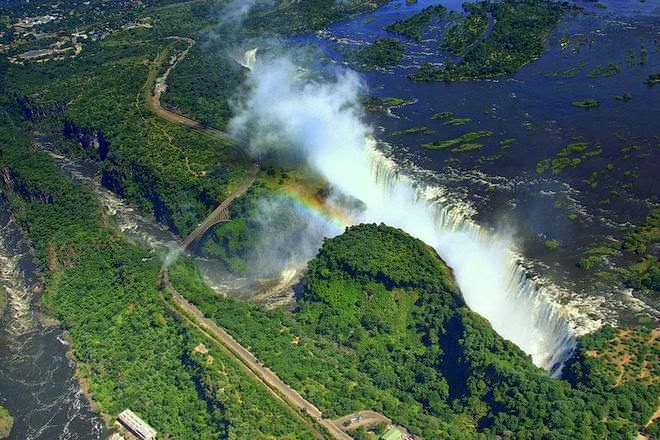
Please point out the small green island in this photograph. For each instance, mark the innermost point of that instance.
(376, 103)
(519, 34)
(412, 27)
(586, 103)
(604, 70)
(382, 53)
(653, 79)
(460, 144)
(570, 156)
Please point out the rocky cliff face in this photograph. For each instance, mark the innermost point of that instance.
(90, 139)
(13, 183)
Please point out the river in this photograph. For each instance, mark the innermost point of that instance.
(37, 382)
(498, 186)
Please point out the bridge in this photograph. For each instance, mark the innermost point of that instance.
(301, 408)
(221, 213)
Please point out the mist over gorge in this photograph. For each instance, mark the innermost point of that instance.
(321, 119)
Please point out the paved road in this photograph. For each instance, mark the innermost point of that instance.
(153, 101)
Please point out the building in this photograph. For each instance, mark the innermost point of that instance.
(392, 434)
(136, 425)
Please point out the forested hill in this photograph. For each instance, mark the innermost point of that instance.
(390, 298)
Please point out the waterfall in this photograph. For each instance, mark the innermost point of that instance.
(493, 281)
(322, 118)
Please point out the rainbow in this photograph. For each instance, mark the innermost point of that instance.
(315, 205)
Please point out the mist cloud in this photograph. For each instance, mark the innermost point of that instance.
(321, 119)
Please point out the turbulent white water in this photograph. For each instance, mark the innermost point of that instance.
(323, 120)
(12, 279)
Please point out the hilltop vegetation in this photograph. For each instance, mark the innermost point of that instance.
(380, 324)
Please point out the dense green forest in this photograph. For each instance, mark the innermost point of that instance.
(519, 34)
(463, 32)
(93, 106)
(413, 26)
(382, 53)
(381, 325)
(132, 350)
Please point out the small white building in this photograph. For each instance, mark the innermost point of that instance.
(136, 425)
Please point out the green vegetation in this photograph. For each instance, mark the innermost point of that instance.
(465, 32)
(3, 301)
(206, 98)
(382, 53)
(518, 37)
(413, 26)
(571, 155)
(551, 244)
(605, 70)
(632, 261)
(623, 98)
(653, 79)
(457, 122)
(6, 422)
(506, 143)
(643, 242)
(465, 148)
(587, 103)
(131, 349)
(570, 72)
(303, 16)
(375, 103)
(380, 324)
(413, 130)
(442, 115)
(459, 143)
(619, 370)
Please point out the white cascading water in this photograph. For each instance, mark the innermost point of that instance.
(323, 120)
(505, 295)
(13, 281)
